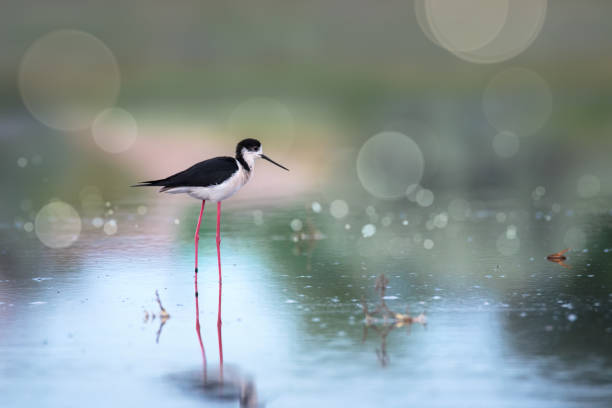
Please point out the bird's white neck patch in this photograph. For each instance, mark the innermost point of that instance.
(250, 157)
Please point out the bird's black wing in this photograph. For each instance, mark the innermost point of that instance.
(203, 174)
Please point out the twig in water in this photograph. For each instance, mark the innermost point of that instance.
(387, 321)
(163, 316)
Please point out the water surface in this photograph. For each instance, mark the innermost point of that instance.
(505, 327)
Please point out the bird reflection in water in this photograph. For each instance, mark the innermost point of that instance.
(382, 320)
(230, 385)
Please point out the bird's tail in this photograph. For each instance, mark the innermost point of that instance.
(150, 183)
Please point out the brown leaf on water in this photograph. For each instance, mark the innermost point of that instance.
(559, 257)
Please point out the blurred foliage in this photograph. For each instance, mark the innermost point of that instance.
(345, 70)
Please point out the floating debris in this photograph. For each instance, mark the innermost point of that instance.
(383, 320)
(559, 257)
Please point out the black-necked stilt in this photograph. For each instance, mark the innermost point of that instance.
(214, 180)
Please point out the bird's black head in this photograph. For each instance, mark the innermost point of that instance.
(250, 149)
(252, 145)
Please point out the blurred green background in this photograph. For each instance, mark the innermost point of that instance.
(321, 78)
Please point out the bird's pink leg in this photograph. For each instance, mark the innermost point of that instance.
(220, 286)
(220, 350)
(200, 336)
(196, 239)
(219, 255)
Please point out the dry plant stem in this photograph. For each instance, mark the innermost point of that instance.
(162, 314)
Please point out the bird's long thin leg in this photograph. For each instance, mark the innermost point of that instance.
(200, 337)
(219, 255)
(197, 305)
(220, 286)
(219, 337)
(197, 238)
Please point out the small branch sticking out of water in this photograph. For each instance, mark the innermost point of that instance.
(383, 320)
(163, 316)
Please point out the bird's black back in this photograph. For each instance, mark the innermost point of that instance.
(203, 174)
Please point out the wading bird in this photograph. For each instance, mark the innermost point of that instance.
(214, 180)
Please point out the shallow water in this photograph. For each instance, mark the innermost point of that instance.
(502, 330)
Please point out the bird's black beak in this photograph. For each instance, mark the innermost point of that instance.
(263, 156)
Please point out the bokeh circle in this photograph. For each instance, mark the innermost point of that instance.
(339, 209)
(388, 163)
(466, 25)
(66, 77)
(522, 26)
(425, 197)
(57, 225)
(115, 130)
(296, 225)
(458, 26)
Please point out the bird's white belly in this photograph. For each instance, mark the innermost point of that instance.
(218, 192)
